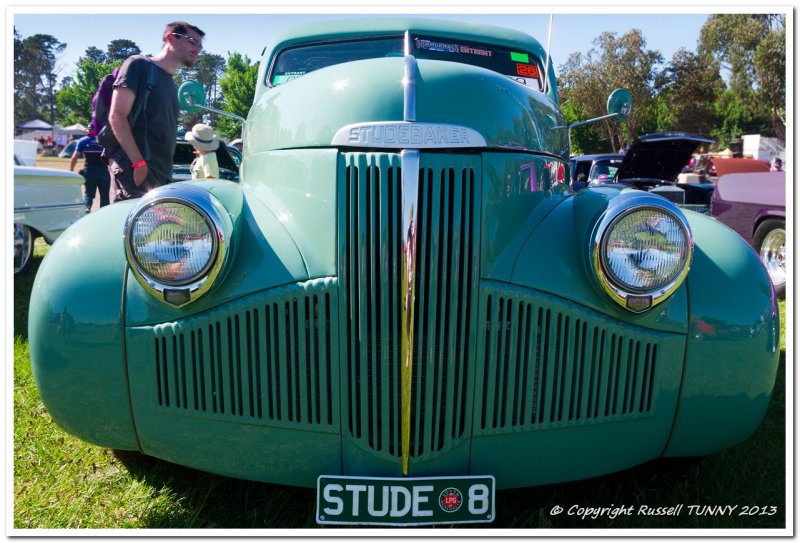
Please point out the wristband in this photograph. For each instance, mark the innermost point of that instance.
(139, 164)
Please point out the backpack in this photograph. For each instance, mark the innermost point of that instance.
(101, 101)
(105, 136)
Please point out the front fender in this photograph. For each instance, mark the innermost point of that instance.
(733, 348)
(75, 331)
(556, 259)
(265, 255)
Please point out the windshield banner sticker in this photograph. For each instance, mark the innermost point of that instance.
(430, 45)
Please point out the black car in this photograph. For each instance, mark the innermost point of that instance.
(593, 168)
(652, 163)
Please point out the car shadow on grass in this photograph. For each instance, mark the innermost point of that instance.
(213, 501)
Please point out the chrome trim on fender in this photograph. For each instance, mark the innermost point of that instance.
(45, 208)
(410, 195)
(219, 223)
(407, 135)
(624, 205)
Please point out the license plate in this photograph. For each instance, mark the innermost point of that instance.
(404, 501)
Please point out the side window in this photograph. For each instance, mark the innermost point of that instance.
(581, 172)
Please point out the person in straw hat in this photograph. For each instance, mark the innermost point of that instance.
(205, 143)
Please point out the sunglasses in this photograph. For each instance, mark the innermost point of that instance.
(190, 39)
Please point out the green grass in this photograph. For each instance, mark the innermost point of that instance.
(62, 482)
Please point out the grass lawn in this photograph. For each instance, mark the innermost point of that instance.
(62, 482)
(53, 162)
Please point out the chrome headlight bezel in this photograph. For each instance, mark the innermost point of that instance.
(218, 221)
(632, 298)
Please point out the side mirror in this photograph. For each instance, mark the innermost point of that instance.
(191, 96)
(192, 99)
(619, 104)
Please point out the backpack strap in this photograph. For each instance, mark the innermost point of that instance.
(141, 103)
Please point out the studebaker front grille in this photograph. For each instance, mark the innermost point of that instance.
(546, 363)
(370, 285)
(266, 359)
(488, 358)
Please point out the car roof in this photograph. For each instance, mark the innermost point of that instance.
(596, 157)
(363, 27)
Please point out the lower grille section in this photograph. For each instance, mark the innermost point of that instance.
(547, 363)
(539, 362)
(267, 359)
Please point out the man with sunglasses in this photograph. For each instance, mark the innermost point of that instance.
(143, 158)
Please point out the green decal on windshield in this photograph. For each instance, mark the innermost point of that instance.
(520, 57)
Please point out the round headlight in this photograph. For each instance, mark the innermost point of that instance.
(176, 242)
(172, 242)
(642, 254)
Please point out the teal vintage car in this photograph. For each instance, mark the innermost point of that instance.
(403, 303)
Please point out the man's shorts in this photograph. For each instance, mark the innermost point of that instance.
(121, 171)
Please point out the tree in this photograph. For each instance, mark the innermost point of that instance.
(582, 141)
(752, 47)
(238, 86)
(614, 62)
(689, 88)
(735, 120)
(75, 97)
(119, 50)
(35, 76)
(95, 55)
(25, 104)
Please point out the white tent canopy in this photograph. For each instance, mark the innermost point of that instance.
(62, 134)
(73, 129)
(35, 124)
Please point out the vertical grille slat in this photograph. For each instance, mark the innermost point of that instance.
(370, 282)
(546, 364)
(266, 361)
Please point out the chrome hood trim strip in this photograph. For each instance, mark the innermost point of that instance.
(409, 83)
(410, 195)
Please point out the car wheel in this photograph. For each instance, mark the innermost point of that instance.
(770, 243)
(23, 247)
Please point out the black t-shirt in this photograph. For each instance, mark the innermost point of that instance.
(159, 120)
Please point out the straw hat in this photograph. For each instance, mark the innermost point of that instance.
(203, 138)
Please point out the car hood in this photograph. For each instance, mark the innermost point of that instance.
(658, 156)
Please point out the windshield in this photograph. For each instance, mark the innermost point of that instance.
(604, 169)
(294, 62)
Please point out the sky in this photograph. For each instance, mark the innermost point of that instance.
(248, 32)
